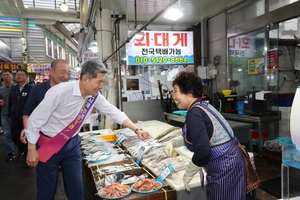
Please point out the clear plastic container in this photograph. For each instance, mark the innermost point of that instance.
(291, 156)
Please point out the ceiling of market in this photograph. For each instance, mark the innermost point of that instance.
(48, 12)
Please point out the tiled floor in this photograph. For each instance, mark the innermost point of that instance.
(266, 170)
(18, 183)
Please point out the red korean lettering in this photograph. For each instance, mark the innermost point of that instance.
(161, 39)
(244, 43)
(181, 38)
(144, 41)
(232, 43)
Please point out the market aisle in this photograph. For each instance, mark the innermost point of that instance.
(18, 182)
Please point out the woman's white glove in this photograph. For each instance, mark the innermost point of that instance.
(170, 145)
(190, 172)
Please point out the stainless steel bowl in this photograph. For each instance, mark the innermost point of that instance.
(113, 178)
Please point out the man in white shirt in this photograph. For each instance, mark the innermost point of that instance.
(55, 113)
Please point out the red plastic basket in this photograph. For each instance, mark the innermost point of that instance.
(255, 133)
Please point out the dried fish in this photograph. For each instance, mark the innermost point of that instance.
(97, 156)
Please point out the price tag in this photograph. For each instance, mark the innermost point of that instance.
(139, 157)
(120, 139)
(165, 173)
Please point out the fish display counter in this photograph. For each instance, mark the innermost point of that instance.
(135, 160)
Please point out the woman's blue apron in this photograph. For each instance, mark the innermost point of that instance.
(226, 171)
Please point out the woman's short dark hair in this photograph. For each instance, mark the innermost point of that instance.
(189, 83)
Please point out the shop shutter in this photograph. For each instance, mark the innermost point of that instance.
(36, 44)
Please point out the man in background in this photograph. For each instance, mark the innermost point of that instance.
(17, 99)
(4, 101)
(59, 72)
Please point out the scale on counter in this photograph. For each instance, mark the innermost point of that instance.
(256, 103)
(226, 103)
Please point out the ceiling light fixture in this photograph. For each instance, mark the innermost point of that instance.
(136, 27)
(138, 35)
(78, 68)
(173, 14)
(93, 47)
(64, 7)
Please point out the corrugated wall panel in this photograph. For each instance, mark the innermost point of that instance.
(10, 27)
(16, 46)
(10, 34)
(36, 44)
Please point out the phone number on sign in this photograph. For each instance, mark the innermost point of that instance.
(158, 60)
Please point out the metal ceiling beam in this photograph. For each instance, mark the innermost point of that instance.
(50, 14)
(9, 7)
(65, 32)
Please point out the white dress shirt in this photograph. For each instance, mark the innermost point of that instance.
(60, 107)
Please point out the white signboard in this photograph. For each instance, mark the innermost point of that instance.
(88, 54)
(161, 48)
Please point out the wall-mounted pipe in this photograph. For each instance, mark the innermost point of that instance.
(118, 58)
(204, 41)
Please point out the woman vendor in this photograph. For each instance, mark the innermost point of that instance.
(210, 137)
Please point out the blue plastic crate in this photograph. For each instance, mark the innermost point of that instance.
(283, 101)
(255, 142)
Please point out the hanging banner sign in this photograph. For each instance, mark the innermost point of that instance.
(88, 54)
(12, 66)
(161, 48)
(273, 59)
(72, 74)
(38, 67)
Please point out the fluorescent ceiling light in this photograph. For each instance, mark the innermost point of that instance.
(173, 14)
(64, 7)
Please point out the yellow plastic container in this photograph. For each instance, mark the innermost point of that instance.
(226, 92)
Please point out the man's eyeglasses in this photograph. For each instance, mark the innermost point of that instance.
(20, 75)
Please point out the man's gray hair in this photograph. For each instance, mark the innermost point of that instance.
(91, 68)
